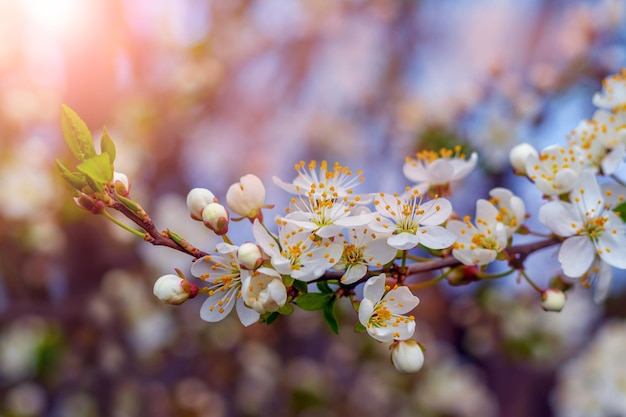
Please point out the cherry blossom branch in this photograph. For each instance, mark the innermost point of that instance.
(153, 236)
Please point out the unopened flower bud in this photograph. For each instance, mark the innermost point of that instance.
(518, 156)
(121, 184)
(407, 356)
(215, 217)
(552, 300)
(197, 200)
(89, 204)
(172, 289)
(250, 256)
(265, 292)
(247, 197)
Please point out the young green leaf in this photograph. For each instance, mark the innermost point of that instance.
(98, 168)
(324, 287)
(313, 301)
(359, 328)
(330, 317)
(107, 145)
(76, 134)
(301, 286)
(286, 310)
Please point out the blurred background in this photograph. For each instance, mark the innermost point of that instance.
(198, 93)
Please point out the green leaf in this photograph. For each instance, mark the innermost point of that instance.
(98, 168)
(75, 180)
(324, 287)
(107, 145)
(313, 301)
(359, 328)
(330, 317)
(301, 286)
(76, 134)
(620, 210)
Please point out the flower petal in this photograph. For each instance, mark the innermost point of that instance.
(562, 218)
(576, 256)
(212, 311)
(247, 316)
(354, 273)
(436, 237)
(436, 211)
(403, 241)
(374, 289)
(401, 300)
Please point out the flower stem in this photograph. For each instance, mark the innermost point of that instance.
(530, 281)
(430, 283)
(123, 226)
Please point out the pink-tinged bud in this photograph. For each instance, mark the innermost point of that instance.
(552, 300)
(215, 217)
(518, 156)
(250, 256)
(247, 197)
(407, 356)
(121, 184)
(89, 204)
(172, 289)
(197, 200)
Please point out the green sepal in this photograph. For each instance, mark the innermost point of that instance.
(620, 210)
(501, 256)
(301, 286)
(134, 207)
(329, 315)
(98, 168)
(107, 145)
(287, 280)
(286, 310)
(76, 134)
(268, 318)
(313, 301)
(179, 240)
(359, 328)
(324, 287)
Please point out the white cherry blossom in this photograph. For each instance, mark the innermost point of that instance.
(296, 251)
(328, 184)
(590, 227)
(613, 94)
(602, 140)
(412, 221)
(556, 169)
(225, 277)
(264, 291)
(480, 244)
(381, 310)
(511, 208)
(362, 249)
(431, 169)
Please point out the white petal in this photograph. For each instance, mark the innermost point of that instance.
(374, 288)
(403, 331)
(354, 273)
(562, 218)
(603, 282)
(366, 309)
(576, 255)
(435, 211)
(378, 251)
(565, 180)
(436, 237)
(357, 221)
(613, 159)
(401, 300)
(587, 192)
(247, 316)
(403, 241)
(211, 311)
